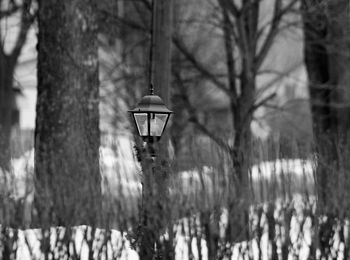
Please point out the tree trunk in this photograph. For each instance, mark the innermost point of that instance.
(327, 52)
(7, 103)
(317, 65)
(67, 134)
(339, 64)
(163, 24)
(327, 61)
(155, 196)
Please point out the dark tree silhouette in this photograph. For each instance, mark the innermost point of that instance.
(8, 62)
(67, 136)
(327, 48)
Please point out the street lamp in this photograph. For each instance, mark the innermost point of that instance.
(151, 117)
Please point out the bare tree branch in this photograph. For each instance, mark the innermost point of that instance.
(9, 12)
(271, 34)
(211, 135)
(194, 118)
(12, 8)
(279, 76)
(27, 20)
(231, 6)
(188, 55)
(278, 14)
(229, 56)
(206, 73)
(2, 49)
(262, 102)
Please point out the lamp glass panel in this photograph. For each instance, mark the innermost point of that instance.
(158, 122)
(141, 123)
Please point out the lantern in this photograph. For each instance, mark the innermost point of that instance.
(151, 117)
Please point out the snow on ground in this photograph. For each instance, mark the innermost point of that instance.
(120, 170)
(283, 178)
(117, 248)
(270, 180)
(121, 175)
(294, 167)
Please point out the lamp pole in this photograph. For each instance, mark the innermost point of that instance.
(161, 78)
(162, 39)
(151, 117)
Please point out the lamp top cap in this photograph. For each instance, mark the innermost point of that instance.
(151, 103)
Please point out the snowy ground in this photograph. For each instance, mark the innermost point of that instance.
(120, 170)
(117, 245)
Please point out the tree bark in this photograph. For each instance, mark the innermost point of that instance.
(339, 63)
(241, 107)
(327, 61)
(157, 217)
(7, 103)
(67, 136)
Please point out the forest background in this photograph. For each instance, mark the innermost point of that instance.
(261, 112)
